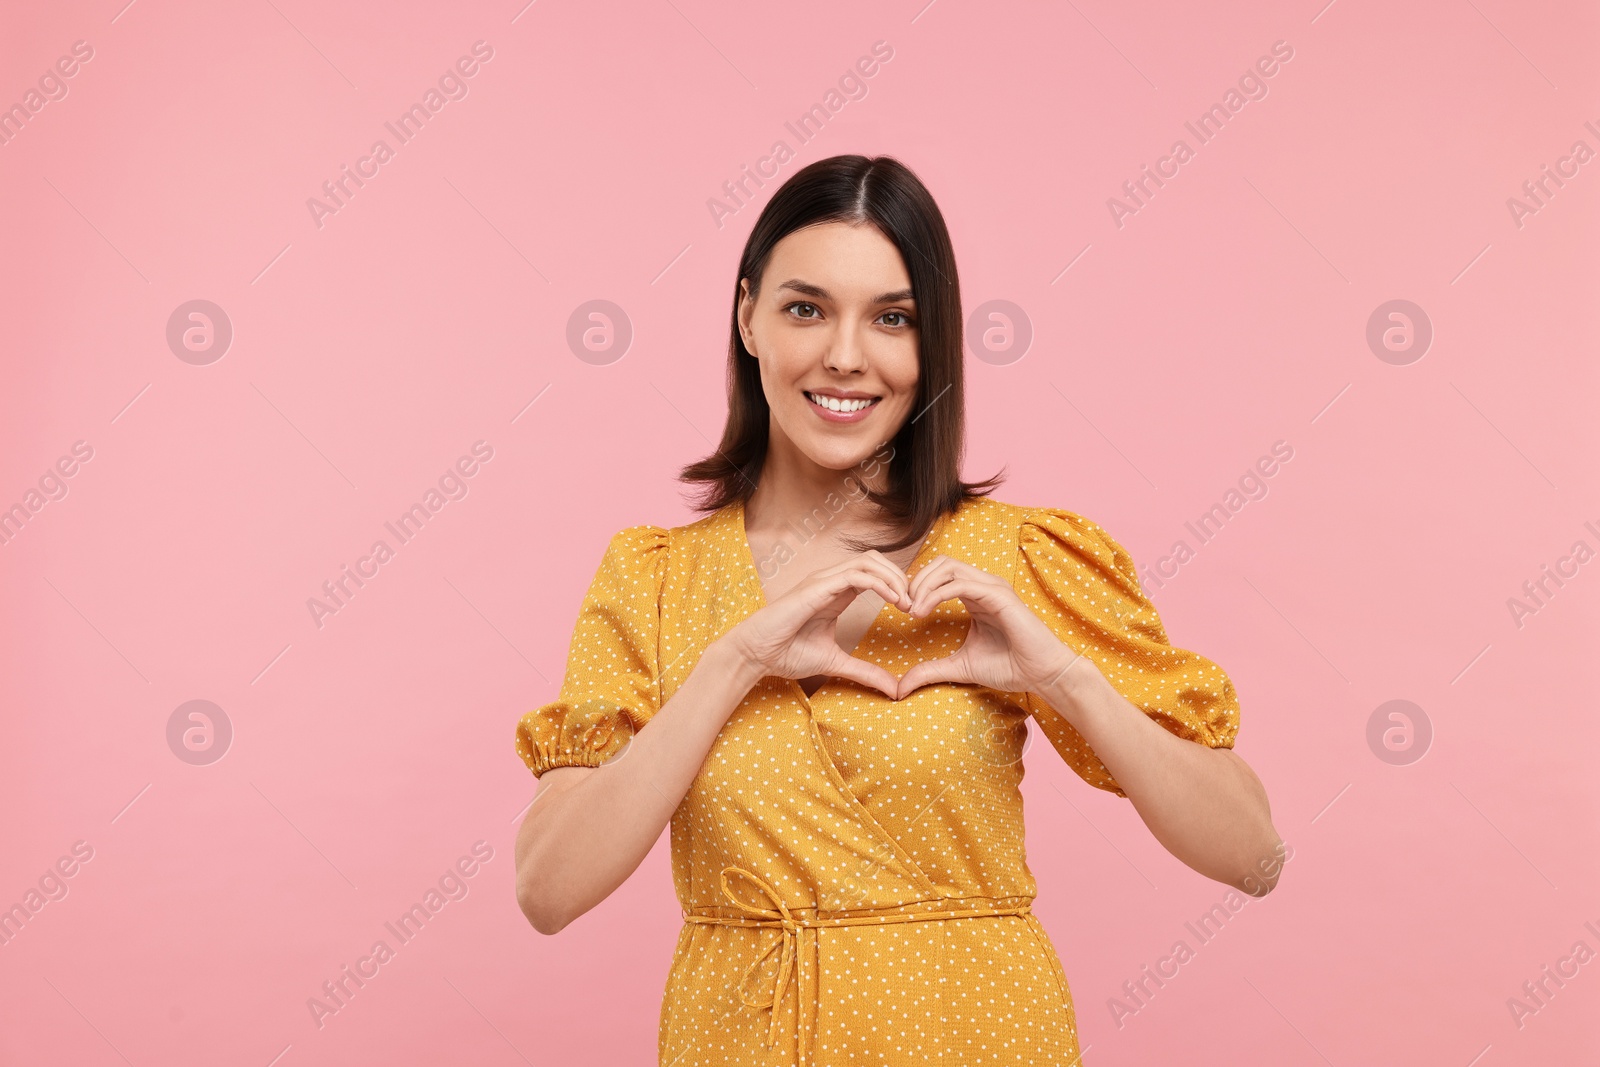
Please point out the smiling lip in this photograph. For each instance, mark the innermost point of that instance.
(841, 394)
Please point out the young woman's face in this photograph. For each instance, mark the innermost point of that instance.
(834, 318)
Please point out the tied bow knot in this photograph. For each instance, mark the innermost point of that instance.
(779, 917)
(787, 943)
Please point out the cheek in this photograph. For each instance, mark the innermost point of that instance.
(786, 363)
(902, 366)
(775, 374)
(778, 385)
(905, 383)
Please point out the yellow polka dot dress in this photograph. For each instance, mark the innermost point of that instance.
(851, 868)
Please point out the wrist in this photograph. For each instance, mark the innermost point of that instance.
(1067, 687)
(727, 659)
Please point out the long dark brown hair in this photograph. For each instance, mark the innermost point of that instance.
(924, 478)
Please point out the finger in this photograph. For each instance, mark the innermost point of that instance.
(944, 565)
(939, 570)
(867, 674)
(983, 593)
(897, 578)
(857, 585)
(939, 567)
(856, 572)
(938, 586)
(929, 672)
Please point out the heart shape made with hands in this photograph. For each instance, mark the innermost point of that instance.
(1006, 645)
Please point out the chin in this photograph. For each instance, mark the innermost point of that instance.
(843, 448)
(837, 460)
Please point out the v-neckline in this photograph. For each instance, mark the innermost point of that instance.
(747, 554)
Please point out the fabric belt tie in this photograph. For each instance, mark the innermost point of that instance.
(780, 917)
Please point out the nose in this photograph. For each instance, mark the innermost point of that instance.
(846, 354)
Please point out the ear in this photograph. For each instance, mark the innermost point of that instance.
(747, 309)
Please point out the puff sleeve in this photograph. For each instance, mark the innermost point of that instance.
(1084, 586)
(612, 682)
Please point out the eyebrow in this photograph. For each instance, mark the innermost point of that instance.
(896, 297)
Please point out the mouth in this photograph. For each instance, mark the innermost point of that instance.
(848, 408)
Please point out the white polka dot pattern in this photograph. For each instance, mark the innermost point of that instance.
(1086, 588)
(844, 823)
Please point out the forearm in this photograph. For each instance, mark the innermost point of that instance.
(1205, 805)
(580, 842)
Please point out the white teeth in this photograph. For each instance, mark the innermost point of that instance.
(835, 404)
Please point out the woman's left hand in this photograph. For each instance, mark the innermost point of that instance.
(1008, 648)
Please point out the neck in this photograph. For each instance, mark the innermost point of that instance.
(795, 492)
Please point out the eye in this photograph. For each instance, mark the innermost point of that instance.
(802, 304)
(906, 320)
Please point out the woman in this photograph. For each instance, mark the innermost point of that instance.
(833, 726)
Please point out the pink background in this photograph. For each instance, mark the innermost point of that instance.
(430, 312)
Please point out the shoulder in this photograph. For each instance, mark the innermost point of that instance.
(1047, 536)
(651, 546)
(1033, 523)
(639, 540)
(708, 532)
(637, 552)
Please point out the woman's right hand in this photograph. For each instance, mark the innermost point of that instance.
(796, 635)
